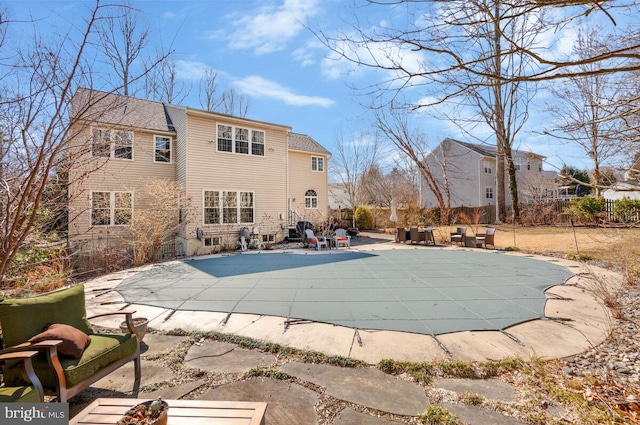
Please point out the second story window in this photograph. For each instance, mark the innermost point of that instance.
(240, 140)
(162, 149)
(257, 143)
(317, 163)
(487, 167)
(112, 144)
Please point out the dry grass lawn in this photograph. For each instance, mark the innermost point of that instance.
(615, 245)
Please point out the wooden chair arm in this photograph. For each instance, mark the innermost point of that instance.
(17, 355)
(48, 347)
(25, 357)
(128, 319)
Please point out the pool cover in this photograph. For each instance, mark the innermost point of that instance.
(426, 291)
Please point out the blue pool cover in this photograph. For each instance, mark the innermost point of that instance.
(426, 291)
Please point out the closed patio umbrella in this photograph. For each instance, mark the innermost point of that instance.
(394, 213)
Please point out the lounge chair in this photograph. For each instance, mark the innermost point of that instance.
(341, 238)
(72, 356)
(484, 239)
(459, 236)
(316, 241)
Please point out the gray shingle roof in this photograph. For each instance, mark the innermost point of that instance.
(115, 109)
(302, 142)
(485, 150)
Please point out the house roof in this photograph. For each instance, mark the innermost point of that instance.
(302, 142)
(484, 150)
(488, 150)
(115, 109)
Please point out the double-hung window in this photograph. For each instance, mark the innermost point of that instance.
(225, 141)
(111, 208)
(488, 192)
(240, 140)
(228, 207)
(257, 142)
(487, 167)
(162, 149)
(317, 163)
(112, 144)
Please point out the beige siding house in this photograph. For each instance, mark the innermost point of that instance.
(469, 170)
(235, 172)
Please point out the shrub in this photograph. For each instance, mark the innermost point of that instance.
(586, 208)
(364, 218)
(626, 210)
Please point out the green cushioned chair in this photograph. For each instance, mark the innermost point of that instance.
(64, 377)
(28, 393)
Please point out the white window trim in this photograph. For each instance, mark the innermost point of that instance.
(316, 168)
(316, 197)
(112, 209)
(170, 149)
(112, 144)
(250, 140)
(488, 190)
(221, 206)
(486, 165)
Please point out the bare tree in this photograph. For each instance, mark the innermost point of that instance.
(123, 39)
(234, 103)
(228, 102)
(162, 83)
(165, 212)
(351, 162)
(587, 110)
(478, 54)
(207, 91)
(39, 82)
(395, 126)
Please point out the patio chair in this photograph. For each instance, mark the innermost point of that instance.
(416, 236)
(30, 392)
(316, 241)
(341, 238)
(401, 235)
(484, 239)
(71, 356)
(459, 236)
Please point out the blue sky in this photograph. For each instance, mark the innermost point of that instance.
(262, 49)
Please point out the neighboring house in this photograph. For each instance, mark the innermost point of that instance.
(237, 172)
(470, 172)
(622, 190)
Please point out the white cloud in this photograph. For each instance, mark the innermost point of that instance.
(256, 86)
(268, 28)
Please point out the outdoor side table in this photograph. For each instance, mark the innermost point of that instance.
(470, 242)
(107, 411)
